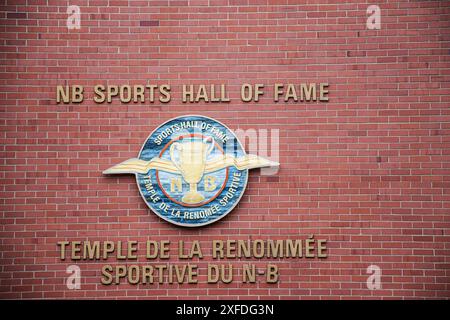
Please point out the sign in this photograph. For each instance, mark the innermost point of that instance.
(191, 170)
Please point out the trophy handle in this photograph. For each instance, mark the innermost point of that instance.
(211, 145)
(174, 146)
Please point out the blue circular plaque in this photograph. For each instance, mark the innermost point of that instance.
(193, 178)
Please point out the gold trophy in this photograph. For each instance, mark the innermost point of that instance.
(191, 164)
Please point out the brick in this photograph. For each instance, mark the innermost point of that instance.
(149, 23)
(368, 171)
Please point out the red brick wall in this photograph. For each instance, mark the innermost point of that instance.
(369, 170)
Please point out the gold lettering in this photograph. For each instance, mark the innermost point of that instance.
(309, 247)
(165, 249)
(99, 94)
(123, 98)
(201, 94)
(147, 274)
(112, 92)
(209, 183)
(62, 94)
(213, 273)
(131, 279)
(76, 249)
(212, 90)
(138, 93)
(258, 91)
(277, 91)
(321, 248)
(308, 93)
(108, 247)
(132, 249)
(223, 94)
(276, 248)
(164, 90)
(188, 93)
(294, 248)
(192, 274)
(63, 245)
(120, 256)
(243, 246)
(121, 272)
(151, 92)
(290, 93)
(272, 273)
(246, 92)
(231, 248)
(249, 275)
(176, 184)
(150, 245)
(217, 249)
(106, 273)
(91, 251)
(323, 96)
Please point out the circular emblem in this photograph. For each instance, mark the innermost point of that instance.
(193, 182)
(192, 170)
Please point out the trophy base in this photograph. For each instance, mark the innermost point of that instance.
(192, 198)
